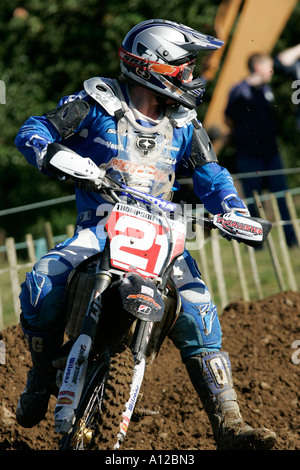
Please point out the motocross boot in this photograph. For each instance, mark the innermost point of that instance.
(210, 374)
(34, 400)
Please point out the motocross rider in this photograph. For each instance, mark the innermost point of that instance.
(148, 116)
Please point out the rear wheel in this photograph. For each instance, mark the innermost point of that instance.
(100, 410)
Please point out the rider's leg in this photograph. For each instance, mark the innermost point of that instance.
(197, 334)
(43, 346)
(43, 319)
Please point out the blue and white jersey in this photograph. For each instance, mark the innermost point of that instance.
(97, 138)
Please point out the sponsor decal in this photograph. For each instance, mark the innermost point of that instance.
(64, 401)
(133, 398)
(146, 142)
(65, 397)
(144, 309)
(96, 307)
(124, 427)
(166, 205)
(147, 290)
(141, 213)
(78, 363)
(135, 169)
(124, 424)
(145, 298)
(67, 392)
(69, 369)
(73, 364)
(239, 225)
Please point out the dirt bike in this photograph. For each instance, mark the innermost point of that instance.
(129, 304)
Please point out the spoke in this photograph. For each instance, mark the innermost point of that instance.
(85, 427)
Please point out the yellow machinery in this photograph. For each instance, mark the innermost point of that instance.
(251, 26)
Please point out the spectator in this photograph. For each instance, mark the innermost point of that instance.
(249, 115)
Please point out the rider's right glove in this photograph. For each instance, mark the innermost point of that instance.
(233, 203)
(60, 160)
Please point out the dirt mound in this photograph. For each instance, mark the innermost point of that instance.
(259, 337)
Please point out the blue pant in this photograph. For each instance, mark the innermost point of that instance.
(197, 328)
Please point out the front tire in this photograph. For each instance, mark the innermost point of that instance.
(100, 410)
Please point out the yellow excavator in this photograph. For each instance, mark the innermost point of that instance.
(246, 27)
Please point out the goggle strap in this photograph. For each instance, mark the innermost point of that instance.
(151, 66)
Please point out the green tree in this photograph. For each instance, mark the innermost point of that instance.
(49, 47)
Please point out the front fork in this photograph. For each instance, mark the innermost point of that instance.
(139, 346)
(141, 339)
(77, 364)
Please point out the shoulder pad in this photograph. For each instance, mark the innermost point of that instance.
(103, 91)
(183, 115)
(67, 117)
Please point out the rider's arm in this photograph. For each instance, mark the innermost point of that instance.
(33, 138)
(215, 188)
(213, 183)
(39, 131)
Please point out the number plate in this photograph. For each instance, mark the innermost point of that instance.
(140, 241)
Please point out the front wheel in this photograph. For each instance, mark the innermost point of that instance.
(100, 410)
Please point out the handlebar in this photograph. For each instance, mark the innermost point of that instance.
(62, 161)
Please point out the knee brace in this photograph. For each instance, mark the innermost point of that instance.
(42, 305)
(190, 333)
(44, 346)
(197, 328)
(41, 342)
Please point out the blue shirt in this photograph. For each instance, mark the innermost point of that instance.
(96, 138)
(249, 108)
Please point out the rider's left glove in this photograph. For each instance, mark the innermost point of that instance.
(235, 204)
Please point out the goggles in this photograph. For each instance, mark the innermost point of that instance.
(183, 72)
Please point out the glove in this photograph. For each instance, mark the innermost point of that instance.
(62, 161)
(233, 203)
(250, 230)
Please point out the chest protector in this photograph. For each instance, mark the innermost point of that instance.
(144, 161)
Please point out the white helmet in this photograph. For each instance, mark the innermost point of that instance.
(161, 55)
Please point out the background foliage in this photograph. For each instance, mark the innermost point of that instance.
(49, 47)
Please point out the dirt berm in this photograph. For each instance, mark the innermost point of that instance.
(260, 338)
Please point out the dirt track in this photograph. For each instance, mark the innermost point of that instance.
(257, 335)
